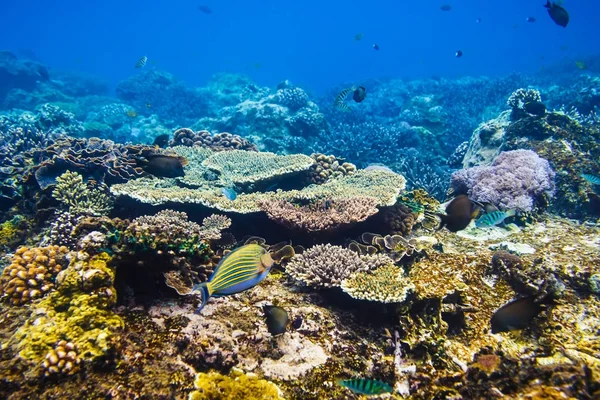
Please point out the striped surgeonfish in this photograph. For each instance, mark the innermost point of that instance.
(242, 269)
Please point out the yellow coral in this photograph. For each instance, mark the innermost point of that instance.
(235, 386)
(77, 312)
(386, 284)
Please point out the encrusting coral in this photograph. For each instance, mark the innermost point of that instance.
(320, 216)
(386, 284)
(325, 265)
(32, 272)
(235, 386)
(75, 319)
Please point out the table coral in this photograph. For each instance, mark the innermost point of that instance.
(31, 274)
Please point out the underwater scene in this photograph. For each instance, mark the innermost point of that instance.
(312, 200)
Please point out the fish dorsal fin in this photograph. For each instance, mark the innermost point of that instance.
(266, 262)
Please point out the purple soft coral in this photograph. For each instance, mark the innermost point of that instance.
(516, 180)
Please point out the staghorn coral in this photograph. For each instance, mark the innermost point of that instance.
(32, 273)
(518, 180)
(327, 167)
(213, 225)
(325, 265)
(79, 199)
(235, 386)
(218, 142)
(386, 284)
(242, 167)
(77, 312)
(320, 216)
(382, 185)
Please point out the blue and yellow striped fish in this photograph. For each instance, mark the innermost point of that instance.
(242, 269)
(368, 387)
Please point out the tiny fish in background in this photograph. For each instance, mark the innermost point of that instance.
(581, 65)
(276, 318)
(515, 315)
(445, 7)
(478, 20)
(162, 140)
(367, 387)
(358, 37)
(458, 54)
(493, 218)
(375, 46)
(242, 269)
(229, 193)
(530, 19)
(535, 108)
(359, 94)
(593, 179)
(141, 62)
(205, 9)
(559, 15)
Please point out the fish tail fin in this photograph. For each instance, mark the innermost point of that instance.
(203, 292)
(443, 221)
(548, 4)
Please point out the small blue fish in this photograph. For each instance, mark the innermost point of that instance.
(229, 193)
(242, 269)
(367, 387)
(493, 218)
(593, 179)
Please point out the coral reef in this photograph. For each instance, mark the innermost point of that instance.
(327, 167)
(32, 273)
(517, 180)
(78, 198)
(519, 98)
(218, 142)
(386, 284)
(235, 386)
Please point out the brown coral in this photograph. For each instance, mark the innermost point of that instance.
(62, 359)
(399, 218)
(328, 167)
(218, 142)
(32, 272)
(320, 216)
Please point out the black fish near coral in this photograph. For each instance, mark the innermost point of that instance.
(459, 213)
(359, 94)
(515, 315)
(162, 140)
(165, 166)
(276, 318)
(535, 108)
(375, 46)
(141, 62)
(558, 14)
(367, 387)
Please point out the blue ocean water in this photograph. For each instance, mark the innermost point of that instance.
(309, 42)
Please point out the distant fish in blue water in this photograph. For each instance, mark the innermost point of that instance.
(559, 15)
(359, 94)
(493, 218)
(478, 20)
(530, 19)
(375, 46)
(339, 101)
(141, 62)
(458, 54)
(358, 37)
(205, 9)
(445, 7)
(593, 179)
(242, 269)
(367, 387)
(229, 193)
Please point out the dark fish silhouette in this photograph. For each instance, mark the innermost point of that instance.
(162, 140)
(459, 213)
(205, 9)
(530, 19)
(165, 166)
(515, 315)
(375, 46)
(277, 319)
(558, 14)
(359, 94)
(458, 54)
(446, 7)
(535, 108)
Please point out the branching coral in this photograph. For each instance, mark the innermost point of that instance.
(78, 312)
(219, 142)
(320, 216)
(235, 386)
(517, 179)
(325, 265)
(519, 98)
(31, 274)
(386, 284)
(73, 193)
